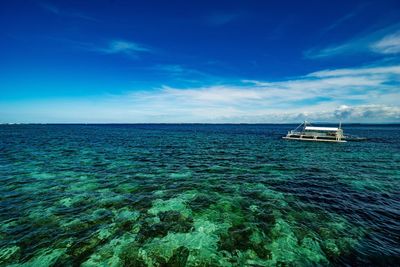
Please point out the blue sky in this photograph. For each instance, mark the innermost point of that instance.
(199, 61)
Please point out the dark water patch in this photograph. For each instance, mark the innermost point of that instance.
(202, 201)
(169, 221)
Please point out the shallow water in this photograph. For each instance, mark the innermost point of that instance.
(197, 195)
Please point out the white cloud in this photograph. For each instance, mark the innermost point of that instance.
(384, 41)
(344, 113)
(123, 47)
(358, 71)
(354, 95)
(171, 68)
(182, 73)
(215, 94)
(368, 112)
(65, 13)
(390, 44)
(330, 51)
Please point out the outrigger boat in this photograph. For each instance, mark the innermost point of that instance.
(307, 132)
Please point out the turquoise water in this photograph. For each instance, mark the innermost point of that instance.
(197, 195)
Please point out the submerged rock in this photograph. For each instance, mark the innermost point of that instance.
(286, 248)
(179, 258)
(44, 258)
(69, 202)
(202, 201)
(126, 215)
(114, 253)
(196, 248)
(203, 246)
(237, 238)
(127, 188)
(169, 221)
(9, 255)
(100, 215)
(131, 257)
(173, 204)
(75, 225)
(331, 248)
(80, 251)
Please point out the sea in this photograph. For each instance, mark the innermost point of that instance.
(197, 195)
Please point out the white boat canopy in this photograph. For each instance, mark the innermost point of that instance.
(330, 129)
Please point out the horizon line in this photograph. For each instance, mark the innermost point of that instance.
(190, 123)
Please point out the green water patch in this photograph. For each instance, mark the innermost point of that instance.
(43, 176)
(74, 200)
(84, 186)
(286, 247)
(9, 254)
(42, 215)
(181, 175)
(178, 204)
(126, 215)
(129, 197)
(226, 234)
(127, 188)
(257, 225)
(363, 183)
(44, 258)
(112, 253)
(197, 247)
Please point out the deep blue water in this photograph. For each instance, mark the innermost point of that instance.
(197, 195)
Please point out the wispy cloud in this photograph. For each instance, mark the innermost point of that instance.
(316, 53)
(116, 46)
(386, 70)
(65, 13)
(383, 41)
(214, 94)
(123, 47)
(180, 70)
(339, 22)
(368, 94)
(183, 74)
(342, 21)
(171, 68)
(390, 44)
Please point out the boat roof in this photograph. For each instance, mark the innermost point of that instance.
(321, 128)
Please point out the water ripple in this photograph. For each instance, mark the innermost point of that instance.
(196, 195)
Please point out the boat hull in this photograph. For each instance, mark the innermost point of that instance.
(314, 139)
